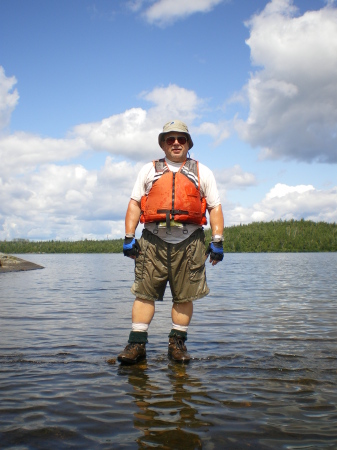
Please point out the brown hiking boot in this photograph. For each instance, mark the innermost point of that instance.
(177, 350)
(132, 353)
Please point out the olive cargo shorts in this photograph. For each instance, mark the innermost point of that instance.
(182, 265)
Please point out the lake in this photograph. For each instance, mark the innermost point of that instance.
(263, 343)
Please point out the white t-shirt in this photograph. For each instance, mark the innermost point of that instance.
(208, 189)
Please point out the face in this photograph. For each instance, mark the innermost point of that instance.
(175, 152)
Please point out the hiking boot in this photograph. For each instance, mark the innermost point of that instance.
(177, 350)
(132, 353)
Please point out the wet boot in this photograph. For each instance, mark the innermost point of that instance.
(132, 353)
(135, 351)
(177, 350)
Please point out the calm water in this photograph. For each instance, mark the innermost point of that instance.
(263, 374)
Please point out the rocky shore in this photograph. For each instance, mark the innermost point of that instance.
(9, 263)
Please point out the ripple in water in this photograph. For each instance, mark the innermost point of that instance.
(263, 373)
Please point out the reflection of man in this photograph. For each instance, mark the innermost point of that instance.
(170, 197)
(177, 425)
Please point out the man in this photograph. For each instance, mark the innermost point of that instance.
(170, 197)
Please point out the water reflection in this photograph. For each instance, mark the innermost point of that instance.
(167, 414)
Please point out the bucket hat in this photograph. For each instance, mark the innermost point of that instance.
(175, 125)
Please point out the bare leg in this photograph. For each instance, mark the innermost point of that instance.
(182, 313)
(142, 311)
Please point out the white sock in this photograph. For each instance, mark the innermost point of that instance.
(140, 326)
(179, 327)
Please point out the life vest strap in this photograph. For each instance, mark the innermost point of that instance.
(170, 212)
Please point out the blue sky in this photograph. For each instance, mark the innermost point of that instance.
(86, 86)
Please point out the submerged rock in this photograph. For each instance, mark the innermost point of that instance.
(9, 263)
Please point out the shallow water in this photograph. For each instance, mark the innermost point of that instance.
(263, 374)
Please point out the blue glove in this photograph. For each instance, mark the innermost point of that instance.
(215, 250)
(131, 247)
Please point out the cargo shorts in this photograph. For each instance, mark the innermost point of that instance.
(181, 265)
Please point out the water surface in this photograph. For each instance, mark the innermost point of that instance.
(263, 373)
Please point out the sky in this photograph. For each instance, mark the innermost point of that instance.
(87, 85)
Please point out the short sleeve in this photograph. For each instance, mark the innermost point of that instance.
(209, 187)
(140, 186)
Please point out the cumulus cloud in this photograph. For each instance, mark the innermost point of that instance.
(131, 134)
(282, 190)
(218, 131)
(8, 98)
(165, 12)
(234, 178)
(61, 202)
(21, 152)
(134, 132)
(293, 94)
(172, 101)
(288, 202)
(128, 133)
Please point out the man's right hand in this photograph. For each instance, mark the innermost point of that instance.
(131, 248)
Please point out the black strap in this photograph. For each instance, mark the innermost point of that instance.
(172, 211)
(168, 212)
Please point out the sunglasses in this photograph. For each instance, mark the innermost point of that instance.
(171, 140)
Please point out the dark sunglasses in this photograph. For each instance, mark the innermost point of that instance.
(171, 140)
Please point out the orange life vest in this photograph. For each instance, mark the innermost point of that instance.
(174, 195)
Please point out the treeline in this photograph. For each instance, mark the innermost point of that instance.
(85, 246)
(281, 236)
(257, 237)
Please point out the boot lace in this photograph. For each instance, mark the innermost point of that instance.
(132, 345)
(180, 343)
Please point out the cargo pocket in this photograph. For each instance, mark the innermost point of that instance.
(196, 260)
(140, 261)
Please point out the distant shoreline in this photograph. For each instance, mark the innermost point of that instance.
(257, 237)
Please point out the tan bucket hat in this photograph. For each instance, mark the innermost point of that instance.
(175, 125)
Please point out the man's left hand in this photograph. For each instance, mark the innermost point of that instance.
(215, 252)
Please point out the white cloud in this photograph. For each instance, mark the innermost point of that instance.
(293, 95)
(165, 12)
(288, 202)
(131, 134)
(127, 134)
(234, 178)
(8, 98)
(282, 190)
(67, 201)
(172, 101)
(21, 152)
(134, 133)
(218, 131)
